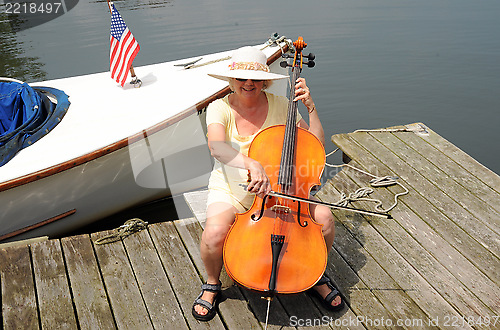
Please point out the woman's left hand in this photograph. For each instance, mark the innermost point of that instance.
(303, 93)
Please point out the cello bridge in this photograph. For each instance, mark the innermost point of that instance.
(281, 209)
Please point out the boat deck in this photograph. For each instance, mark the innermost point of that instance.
(434, 265)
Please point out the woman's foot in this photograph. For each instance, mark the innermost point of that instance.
(207, 296)
(328, 294)
(205, 306)
(323, 290)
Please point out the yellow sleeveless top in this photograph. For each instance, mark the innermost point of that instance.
(228, 184)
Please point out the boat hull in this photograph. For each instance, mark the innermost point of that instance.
(116, 147)
(129, 176)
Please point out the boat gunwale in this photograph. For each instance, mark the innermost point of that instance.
(67, 165)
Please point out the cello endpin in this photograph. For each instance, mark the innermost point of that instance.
(269, 299)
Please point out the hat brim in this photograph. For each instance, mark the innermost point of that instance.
(247, 74)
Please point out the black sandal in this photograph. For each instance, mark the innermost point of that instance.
(334, 293)
(211, 307)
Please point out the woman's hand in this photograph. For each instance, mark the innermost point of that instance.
(303, 94)
(259, 181)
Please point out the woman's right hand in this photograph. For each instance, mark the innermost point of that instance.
(259, 181)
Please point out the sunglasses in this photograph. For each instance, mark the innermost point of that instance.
(254, 80)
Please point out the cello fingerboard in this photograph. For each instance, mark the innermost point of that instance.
(286, 172)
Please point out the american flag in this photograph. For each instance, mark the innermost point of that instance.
(123, 47)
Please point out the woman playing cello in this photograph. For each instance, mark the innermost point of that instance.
(232, 123)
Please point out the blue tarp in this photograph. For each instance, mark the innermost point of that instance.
(26, 115)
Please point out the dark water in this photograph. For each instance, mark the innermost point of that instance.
(379, 63)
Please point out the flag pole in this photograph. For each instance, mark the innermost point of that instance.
(135, 81)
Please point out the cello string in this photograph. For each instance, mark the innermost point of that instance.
(289, 149)
(287, 165)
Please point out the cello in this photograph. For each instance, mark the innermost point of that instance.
(276, 247)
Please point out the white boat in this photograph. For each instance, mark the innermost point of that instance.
(117, 147)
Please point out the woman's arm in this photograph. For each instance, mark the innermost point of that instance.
(226, 154)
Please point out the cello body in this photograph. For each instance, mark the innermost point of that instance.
(248, 255)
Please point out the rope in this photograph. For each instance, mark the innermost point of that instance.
(271, 41)
(362, 194)
(403, 129)
(415, 128)
(128, 228)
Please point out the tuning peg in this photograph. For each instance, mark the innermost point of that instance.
(287, 55)
(284, 64)
(310, 63)
(311, 56)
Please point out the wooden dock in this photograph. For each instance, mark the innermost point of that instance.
(435, 265)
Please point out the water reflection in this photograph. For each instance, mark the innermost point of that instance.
(13, 62)
(23, 15)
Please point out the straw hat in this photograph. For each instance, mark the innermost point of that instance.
(247, 63)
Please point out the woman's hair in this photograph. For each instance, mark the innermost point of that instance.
(266, 85)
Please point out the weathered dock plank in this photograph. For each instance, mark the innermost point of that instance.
(417, 273)
(441, 213)
(19, 304)
(383, 286)
(455, 170)
(182, 274)
(477, 169)
(442, 239)
(122, 289)
(54, 296)
(197, 202)
(433, 258)
(363, 304)
(459, 242)
(159, 298)
(89, 294)
(446, 182)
